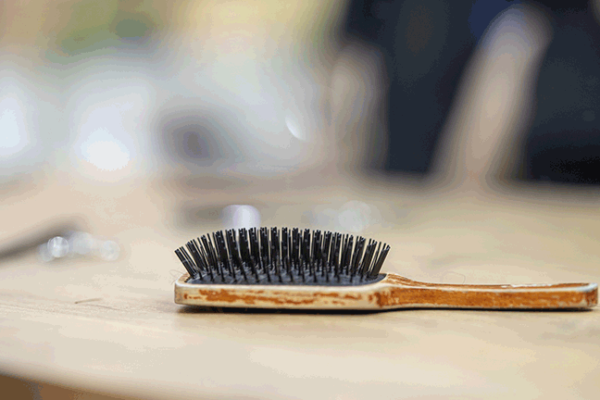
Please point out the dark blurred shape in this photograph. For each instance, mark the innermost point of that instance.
(29, 241)
(426, 45)
(564, 142)
(132, 27)
(194, 137)
(484, 11)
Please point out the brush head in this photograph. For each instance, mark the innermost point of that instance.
(282, 257)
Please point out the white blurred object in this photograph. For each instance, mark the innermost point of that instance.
(21, 147)
(241, 216)
(353, 216)
(44, 253)
(274, 118)
(104, 151)
(110, 250)
(109, 113)
(79, 244)
(295, 128)
(58, 247)
(82, 243)
(14, 136)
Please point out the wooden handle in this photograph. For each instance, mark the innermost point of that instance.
(405, 292)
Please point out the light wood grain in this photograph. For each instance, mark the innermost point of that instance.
(113, 328)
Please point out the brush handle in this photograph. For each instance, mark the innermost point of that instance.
(403, 292)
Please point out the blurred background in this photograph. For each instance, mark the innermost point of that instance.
(185, 116)
(243, 90)
(186, 89)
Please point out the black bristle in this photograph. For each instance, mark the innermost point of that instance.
(295, 256)
(365, 265)
(189, 266)
(193, 251)
(285, 249)
(334, 259)
(379, 262)
(346, 254)
(356, 255)
(282, 257)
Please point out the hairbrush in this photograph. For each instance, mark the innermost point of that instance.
(294, 269)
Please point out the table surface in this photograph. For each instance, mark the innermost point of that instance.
(113, 328)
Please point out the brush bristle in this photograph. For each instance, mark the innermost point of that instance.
(282, 257)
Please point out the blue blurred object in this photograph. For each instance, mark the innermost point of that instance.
(483, 12)
(564, 142)
(427, 45)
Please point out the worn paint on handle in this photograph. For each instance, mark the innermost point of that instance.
(393, 292)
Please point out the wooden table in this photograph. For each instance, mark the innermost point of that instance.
(113, 329)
